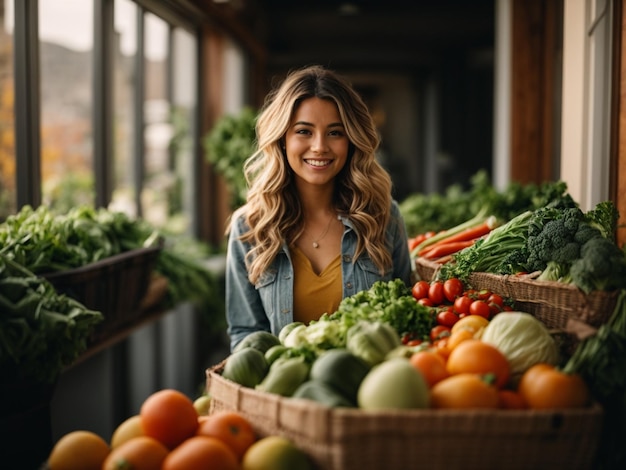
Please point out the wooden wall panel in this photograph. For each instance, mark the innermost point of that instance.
(618, 141)
(535, 43)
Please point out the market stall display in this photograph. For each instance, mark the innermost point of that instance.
(506, 352)
(564, 432)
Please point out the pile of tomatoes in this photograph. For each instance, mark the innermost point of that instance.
(451, 301)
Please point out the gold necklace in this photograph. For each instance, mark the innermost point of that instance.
(321, 237)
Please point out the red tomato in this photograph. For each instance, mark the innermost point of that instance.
(494, 308)
(420, 289)
(452, 288)
(462, 305)
(480, 307)
(438, 332)
(426, 302)
(482, 294)
(496, 299)
(406, 337)
(435, 292)
(447, 317)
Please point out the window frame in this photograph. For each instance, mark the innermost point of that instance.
(28, 103)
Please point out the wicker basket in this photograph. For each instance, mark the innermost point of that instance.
(347, 439)
(114, 286)
(554, 303)
(425, 270)
(560, 306)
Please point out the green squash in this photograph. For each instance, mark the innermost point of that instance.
(341, 370)
(261, 340)
(323, 393)
(246, 367)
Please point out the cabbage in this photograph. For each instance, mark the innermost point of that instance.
(523, 339)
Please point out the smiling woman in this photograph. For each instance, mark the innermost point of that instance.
(319, 223)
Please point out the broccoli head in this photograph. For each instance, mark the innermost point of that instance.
(555, 240)
(514, 262)
(585, 233)
(601, 266)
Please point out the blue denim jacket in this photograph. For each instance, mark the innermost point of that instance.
(268, 305)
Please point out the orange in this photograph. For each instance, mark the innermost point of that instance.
(463, 391)
(474, 323)
(80, 450)
(544, 386)
(457, 337)
(478, 357)
(138, 453)
(231, 428)
(169, 416)
(431, 365)
(128, 429)
(203, 452)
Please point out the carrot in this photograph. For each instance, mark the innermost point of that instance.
(465, 235)
(478, 219)
(444, 249)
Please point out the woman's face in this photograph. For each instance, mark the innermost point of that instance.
(316, 142)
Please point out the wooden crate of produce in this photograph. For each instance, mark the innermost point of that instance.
(351, 439)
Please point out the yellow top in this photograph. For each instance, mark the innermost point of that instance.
(314, 294)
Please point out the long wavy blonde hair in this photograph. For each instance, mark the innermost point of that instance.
(362, 189)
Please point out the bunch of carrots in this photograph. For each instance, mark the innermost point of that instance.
(441, 246)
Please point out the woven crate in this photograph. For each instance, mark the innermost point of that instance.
(351, 439)
(559, 305)
(425, 270)
(555, 303)
(114, 286)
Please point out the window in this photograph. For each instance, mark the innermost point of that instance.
(124, 192)
(146, 59)
(66, 70)
(184, 127)
(7, 122)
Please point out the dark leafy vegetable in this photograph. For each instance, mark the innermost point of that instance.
(40, 331)
(44, 241)
(441, 211)
(601, 360)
